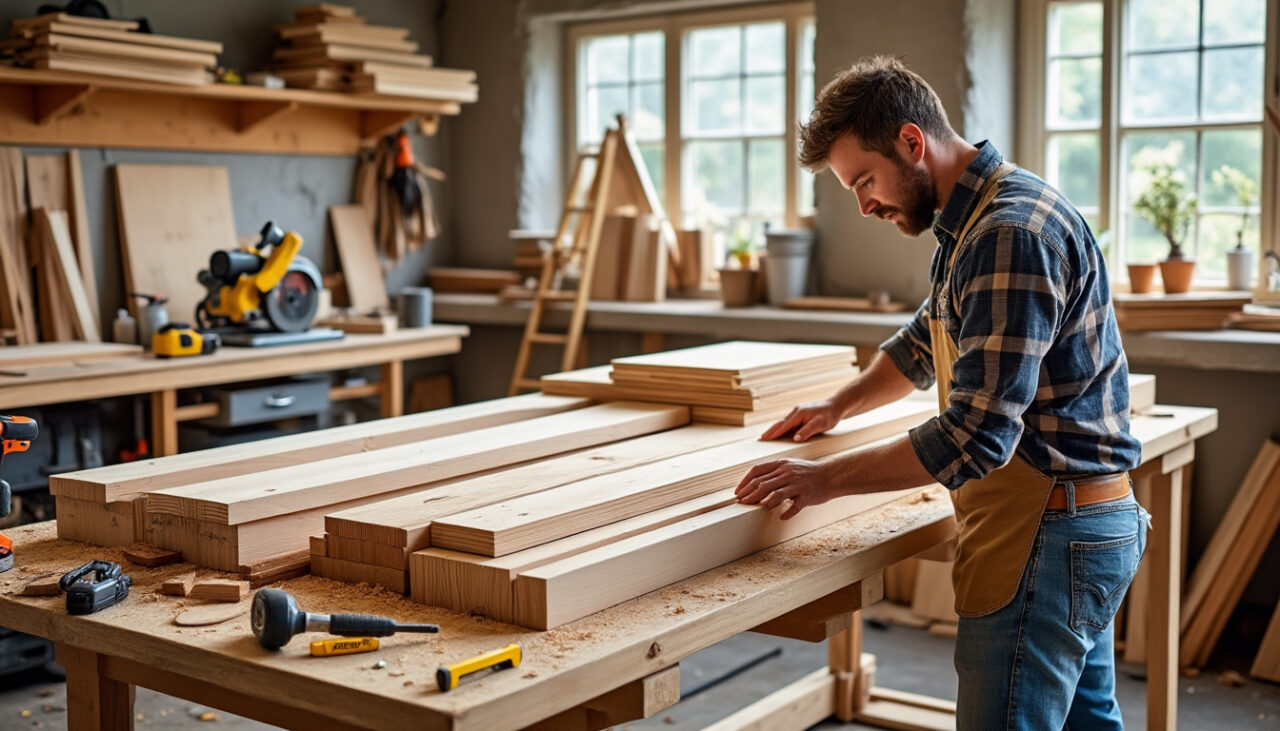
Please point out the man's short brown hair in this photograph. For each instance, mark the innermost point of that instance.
(871, 100)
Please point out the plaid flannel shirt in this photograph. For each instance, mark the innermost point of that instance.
(1041, 371)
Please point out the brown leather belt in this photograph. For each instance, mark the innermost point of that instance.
(1090, 491)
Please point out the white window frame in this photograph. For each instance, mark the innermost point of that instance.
(1033, 137)
(675, 28)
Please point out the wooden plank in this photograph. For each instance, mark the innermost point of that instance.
(179, 585)
(1139, 595)
(40, 21)
(142, 39)
(612, 251)
(353, 29)
(528, 521)
(281, 491)
(361, 268)
(645, 268)
(353, 572)
(219, 590)
(151, 54)
(564, 590)
(116, 482)
(737, 359)
(595, 383)
(141, 71)
(934, 596)
(56, 237)
(1266, 666)
(453, 279)
(18, 308)
(828, 616)
(343, 52)
(94, 701)
(43, 354)
(1142, 391)
(801, 704)
(1165, 587)
(78, 212)
(841, 304)
(407, 521)
(172, 218)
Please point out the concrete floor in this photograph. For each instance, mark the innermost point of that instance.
(907, 659)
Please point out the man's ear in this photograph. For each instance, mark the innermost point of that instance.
(911, 143)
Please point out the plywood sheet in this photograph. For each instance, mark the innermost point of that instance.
(172, 217)
(361, 269)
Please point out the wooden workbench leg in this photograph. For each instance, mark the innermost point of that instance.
(653, 342)
(1165, 587)
(392, 395)
(164, 423)
(1137, 619)
(844, 658)
(94, 701)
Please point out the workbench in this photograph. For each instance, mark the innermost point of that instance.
(607, 668)
(162, 378)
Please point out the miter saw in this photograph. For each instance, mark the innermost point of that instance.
(265, 294)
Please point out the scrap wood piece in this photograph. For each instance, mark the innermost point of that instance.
(1266, 665)
(78, 211)
(521, 523)
(842, 304)
(43, 585)
(118, 482)
(18, 308)
(179, 585)
(55, 237)
(219, 590)
(455, 279)
(358, 254)
(207, 614)
(286, 490)
(281, 567)
(145, 554)
(360, 324)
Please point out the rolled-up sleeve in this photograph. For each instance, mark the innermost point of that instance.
(911, 349)
(1011, 291)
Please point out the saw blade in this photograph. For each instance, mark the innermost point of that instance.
(291, 305)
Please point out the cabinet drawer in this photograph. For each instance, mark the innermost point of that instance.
(268, 402)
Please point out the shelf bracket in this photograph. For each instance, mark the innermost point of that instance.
(50, 102)
(252, 114)
(375, 124)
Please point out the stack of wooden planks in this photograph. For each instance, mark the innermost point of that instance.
(110, 48)
(1190, 311)
(736, 383)
(1256, 317)
(330, 47)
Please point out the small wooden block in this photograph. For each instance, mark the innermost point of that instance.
(220, 590)
(150, 556)
(943, 629)
(179, 586)
(46, 585)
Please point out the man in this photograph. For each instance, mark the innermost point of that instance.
(1032, 437)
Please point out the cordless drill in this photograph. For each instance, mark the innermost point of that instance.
(16, 432)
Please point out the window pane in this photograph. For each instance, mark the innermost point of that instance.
(1163, 23)
(607, 59)
(648, 118)
(1233, 83)
(1161, 86)
(1075, 91)
(766, 48)
(654, 155)
(765, 104)
(603, 104)
(714, 52)
(713, 178)
(1075, 28)
(1074, 167)
(1235, 21)
(648, 57)
(716, 107)
(806, 184)
(807, 36)
(1241, 150)
(1142, 241)
(765, 166)
(1218, 234)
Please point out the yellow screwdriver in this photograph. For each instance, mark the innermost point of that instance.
(343, 646)
(447, 676)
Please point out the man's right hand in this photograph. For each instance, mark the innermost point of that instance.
(805, 421)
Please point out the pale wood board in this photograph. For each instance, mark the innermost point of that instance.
(595, 383)
(612, 254)
(150, 54)
(38, 21)
(354, 29)
(219, 590)
(172, 218)
(41, 354)
(141, 71)
(109, 34)
(116, 482)
(361, 266)
(56, 235)
(802, 704)
(78, 212)
(396, 580)
(452, 279)
(522, 523)
(19, 306)
(341, 52)
(735, 359)
(645, 268)
(1266, 665)
(842, 304)
(271, 493)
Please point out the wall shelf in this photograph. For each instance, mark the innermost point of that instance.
(41, 107)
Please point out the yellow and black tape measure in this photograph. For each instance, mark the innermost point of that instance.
(447, 676)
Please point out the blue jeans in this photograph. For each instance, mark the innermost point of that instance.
(1047, 660)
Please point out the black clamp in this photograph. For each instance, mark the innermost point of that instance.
(107, 587)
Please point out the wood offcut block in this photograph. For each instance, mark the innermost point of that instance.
(220, 590)
(179, 585)
(150, 556)
(46, 585)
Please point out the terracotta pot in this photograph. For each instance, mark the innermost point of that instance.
(1142, 278)
(1176, 275)
(738, 287)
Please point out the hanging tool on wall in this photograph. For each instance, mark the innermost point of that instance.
(16, 433)
(392, 187)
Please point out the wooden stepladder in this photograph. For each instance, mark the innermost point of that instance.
(576, 241)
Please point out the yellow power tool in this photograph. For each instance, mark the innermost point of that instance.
(267, 286)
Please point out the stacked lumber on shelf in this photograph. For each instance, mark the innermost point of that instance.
(65, 42)
(1232, 556)
(737, 382)
(1190, 311)
(454, 279)
(528, 256)
(1256, 317)
(330, 47)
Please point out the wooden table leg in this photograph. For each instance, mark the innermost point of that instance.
(94, 701)
(392, 395)
(1165, 592)
(653, 342)
(164, 423)
(844, 658)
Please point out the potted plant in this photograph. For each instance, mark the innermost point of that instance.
(1239, 259)
(1165, 201)
(738, 286)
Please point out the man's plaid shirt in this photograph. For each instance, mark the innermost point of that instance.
(1041, 371)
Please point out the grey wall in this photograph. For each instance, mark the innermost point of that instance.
(293, 190)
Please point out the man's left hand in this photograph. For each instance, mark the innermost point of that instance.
(801, 481)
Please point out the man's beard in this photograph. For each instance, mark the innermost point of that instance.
(920, 200)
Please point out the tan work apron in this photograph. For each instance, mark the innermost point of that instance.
(1000, 513)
